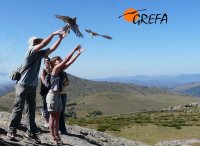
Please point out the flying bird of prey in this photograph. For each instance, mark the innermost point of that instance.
(97, 34)
(70, 24)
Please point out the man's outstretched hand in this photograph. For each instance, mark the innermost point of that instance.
(58, 32)
(80, 51)
(64, 34)
(78, 47)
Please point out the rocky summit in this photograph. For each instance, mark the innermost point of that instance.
(76, 136)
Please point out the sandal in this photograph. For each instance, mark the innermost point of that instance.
(53, 142)
(59, 141)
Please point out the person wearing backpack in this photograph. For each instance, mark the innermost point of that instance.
(44, 89)
(26, 86)
(54, 102)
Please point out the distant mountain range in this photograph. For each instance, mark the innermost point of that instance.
(110, 98)
(189, 89)
(157, 81)
(83, 87)
(6, 86)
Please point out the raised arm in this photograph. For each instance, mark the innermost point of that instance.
(72, 52)
(56, 44)
(73, 59)
(47, 40)
(62, 65)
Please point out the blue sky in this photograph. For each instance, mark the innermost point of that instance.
(166, 49)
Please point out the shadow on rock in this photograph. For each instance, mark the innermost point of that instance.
(83, 137)
(5, 143)
(3, 131)
(22, 127)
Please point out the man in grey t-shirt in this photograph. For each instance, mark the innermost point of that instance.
(26, 86)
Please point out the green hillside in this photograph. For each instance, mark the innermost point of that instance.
(192, 89)
(110, 98)
(149, 127)
(80, 87)
(114, 103)
(185, 87)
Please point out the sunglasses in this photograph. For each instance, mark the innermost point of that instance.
(46, 59)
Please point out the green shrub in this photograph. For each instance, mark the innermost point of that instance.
(194, 119)
(71, 104)
(114, 128)
(71, 112)
(95, 113)
(102, 128)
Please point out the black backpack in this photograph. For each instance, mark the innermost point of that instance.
(44, 88)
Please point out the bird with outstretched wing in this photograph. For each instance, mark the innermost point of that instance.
(70, 24)
(97, 34)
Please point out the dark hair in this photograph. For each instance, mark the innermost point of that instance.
(54, 59)
(46, 58)
(37, 41)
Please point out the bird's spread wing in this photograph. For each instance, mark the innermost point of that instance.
(63, 18)
(106, 36)
(97, 34)
(88, 30)
(92, 32)
(76, 30)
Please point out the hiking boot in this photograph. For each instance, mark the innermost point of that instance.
(38, 131)
(33, 137)
(11, 135)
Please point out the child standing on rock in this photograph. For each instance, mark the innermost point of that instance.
(54, 103)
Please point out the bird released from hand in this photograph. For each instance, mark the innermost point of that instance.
(97, 34)
(70, 24)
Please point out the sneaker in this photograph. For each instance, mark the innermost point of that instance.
(45, 114)
(63, 132)
(46, 125)
(11, 135)
(33, 137)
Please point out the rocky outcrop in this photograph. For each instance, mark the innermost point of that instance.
(77, 136)
(185, 107)
(183, 142)
(100, 138)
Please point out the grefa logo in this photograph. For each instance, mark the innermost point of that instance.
(140, 17)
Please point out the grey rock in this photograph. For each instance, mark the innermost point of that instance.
(77, 136)
(181, 142)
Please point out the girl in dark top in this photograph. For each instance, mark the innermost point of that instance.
(44, 89)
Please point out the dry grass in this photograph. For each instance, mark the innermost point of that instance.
(114, 103)
(195, 144)
(152, 134)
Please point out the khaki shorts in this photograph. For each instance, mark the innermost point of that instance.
(54, 102)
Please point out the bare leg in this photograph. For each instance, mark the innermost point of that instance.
(57, 124)
(52, 125)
